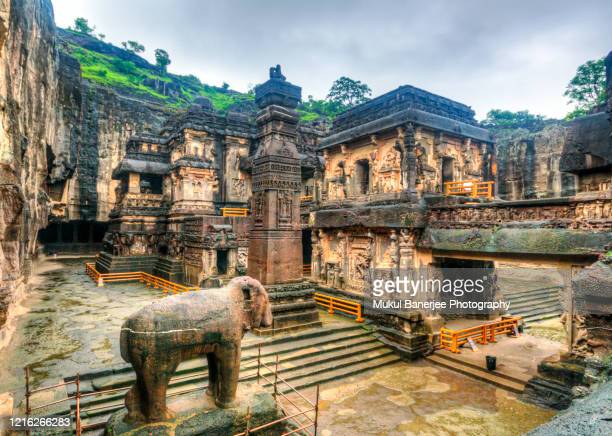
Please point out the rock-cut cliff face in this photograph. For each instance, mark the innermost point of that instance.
(61, 135)
(28, 96)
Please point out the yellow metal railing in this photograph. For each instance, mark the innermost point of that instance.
(234, 211)
(452, 340)
(339, 304)
(142, 277)
(470, 188)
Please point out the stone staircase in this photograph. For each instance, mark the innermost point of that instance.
(513, 382)
(307, 358)
(293, 308)
(536, 304)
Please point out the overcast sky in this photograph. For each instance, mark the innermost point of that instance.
(487, 54)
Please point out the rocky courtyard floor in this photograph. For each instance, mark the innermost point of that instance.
(69, 326)
(422, 399)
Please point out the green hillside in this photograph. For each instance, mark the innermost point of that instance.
(130, 74)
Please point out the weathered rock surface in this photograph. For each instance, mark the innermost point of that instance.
(590, 416)
(59, 134)
(28, 95)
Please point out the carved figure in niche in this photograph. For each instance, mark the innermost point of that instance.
(284, 204)
(241, 261)
(421, 159)
(238, 187)
(362, 264)
(152, 243)
(212, 322)
(341, 246)
(393, 249)
(390, 159)
(339, 181)
(258, 203)
(406, 151)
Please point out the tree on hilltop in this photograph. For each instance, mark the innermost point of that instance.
(587, 89)
(133, 46)
(503, 119)
(348, 92)
(162, 59)
(81, 25)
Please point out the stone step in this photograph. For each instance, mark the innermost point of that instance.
(478, 373)
(535, 301)
(538, 312)
(344, 372)
(537, 318)
(317, 359)
(507, 374)
(293, 306)
(300, 379)
(533, 292)
(521, 307)
(124, 378)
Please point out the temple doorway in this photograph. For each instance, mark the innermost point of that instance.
(362, 176)
(306, 246)
(447, 170)
(222, 262)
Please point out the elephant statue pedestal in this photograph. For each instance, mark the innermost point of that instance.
(196, 413)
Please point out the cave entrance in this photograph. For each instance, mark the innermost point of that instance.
(72, 237)
(222, 261)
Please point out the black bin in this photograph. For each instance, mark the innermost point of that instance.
(491, 363)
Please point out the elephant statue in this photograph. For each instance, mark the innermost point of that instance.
(163, 334)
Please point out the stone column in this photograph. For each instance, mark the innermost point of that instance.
(275, 239)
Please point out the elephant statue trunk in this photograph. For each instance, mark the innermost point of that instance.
(211, 322)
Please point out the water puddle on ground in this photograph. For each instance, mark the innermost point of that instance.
(421, 399)
(70, 326)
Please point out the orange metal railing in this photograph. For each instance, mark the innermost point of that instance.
(452, 340)
(471, 188)
(234, 211)
(339, 304)
(305, 198)
(149, 279)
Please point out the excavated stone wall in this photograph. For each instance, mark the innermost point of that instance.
(60, 138)
(28, 96)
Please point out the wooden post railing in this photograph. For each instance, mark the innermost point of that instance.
(143, 277)
(452, 340)
(339, 304)
(234, 211)
(470, 188)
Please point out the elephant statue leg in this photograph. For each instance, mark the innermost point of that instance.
(213, 375)
(133, 401)
(229, 357)
(156, 380)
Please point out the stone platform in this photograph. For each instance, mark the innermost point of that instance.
(108, 263)
(293, 308)
(170, 269)
(196, 413)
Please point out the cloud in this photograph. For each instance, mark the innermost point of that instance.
(511, 55)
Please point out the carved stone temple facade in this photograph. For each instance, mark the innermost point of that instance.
(172, 189)
(328, 208)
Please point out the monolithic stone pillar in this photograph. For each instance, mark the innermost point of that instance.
(275, 239)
